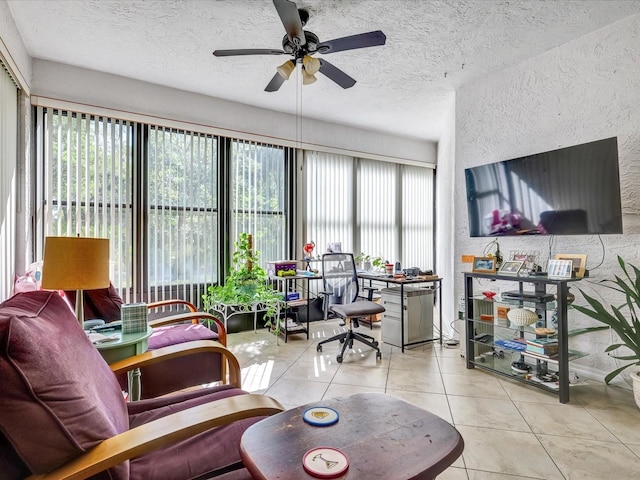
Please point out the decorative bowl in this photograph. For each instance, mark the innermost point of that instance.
(489, 295)
(522, 316)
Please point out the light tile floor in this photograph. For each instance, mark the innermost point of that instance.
(511, 431)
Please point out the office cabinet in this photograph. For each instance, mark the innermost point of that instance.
(418, 315)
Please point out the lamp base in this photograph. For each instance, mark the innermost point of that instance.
(80, 307)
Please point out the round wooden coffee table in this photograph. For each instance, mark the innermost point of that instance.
(382, 436)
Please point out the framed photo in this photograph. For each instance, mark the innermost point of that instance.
(511, 267)
(578, 262)
(530, 259)
(484, 265)
(560, 269)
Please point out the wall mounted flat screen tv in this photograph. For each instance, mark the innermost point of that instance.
(569, 191)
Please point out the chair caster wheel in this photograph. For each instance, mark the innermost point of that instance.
(375, 344)
(342, 340)
(319, 348)
(379, 356)
(339, 359)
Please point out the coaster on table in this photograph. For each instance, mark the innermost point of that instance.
(320, 416)
(325, 462)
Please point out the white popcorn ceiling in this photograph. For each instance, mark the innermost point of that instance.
(405, 87)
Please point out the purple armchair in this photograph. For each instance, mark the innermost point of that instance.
(62, 413)
(186, 326)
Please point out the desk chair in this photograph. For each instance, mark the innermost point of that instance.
(341, 288)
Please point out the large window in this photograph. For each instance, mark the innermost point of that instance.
(329, 214)
(259, 197)
(156, 193)
(182, 209)
(88, 183)
(380, 208)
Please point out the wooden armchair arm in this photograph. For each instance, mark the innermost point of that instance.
(161, 432)
(165, 303)
(180, 350)
(195, 317)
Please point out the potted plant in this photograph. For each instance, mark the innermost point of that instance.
(362, 259)
(245, 288)
(622, 319)
(378, 263)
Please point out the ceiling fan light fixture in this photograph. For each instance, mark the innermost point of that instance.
(286, 69)
(311, 64)
(308, 78)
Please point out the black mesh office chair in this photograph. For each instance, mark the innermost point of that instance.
(341, 288)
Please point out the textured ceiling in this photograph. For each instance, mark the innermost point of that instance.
(405, 87)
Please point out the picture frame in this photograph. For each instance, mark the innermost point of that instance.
(530, 258)
(578, 262)
(560, 268)
(484, 265)
(511, 267)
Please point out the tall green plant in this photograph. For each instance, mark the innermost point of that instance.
(246, 285)
(622, 319)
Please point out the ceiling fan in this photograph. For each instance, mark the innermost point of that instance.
(302, 44)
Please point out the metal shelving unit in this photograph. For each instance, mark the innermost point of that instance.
(488, 355)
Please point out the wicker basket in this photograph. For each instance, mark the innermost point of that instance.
(522, 316)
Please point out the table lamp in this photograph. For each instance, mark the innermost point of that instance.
(75, 263)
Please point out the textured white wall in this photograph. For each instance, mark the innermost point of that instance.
(445, 223)
(585, 90)
(12, 48)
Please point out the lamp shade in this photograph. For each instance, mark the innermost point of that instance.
(311, 65)
(286, 69)
(307, 78)
(75, 263)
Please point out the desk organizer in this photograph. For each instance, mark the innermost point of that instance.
(282, 268)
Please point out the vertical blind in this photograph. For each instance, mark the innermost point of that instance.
(379, 208)
(379, 218)
(155, 193)
(329, 200)
(8, 180)
(88, 184)
(418, 230)
(258, 197)
(182, 212)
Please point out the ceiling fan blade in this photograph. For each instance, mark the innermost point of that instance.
(335, 74)
(275, 83)
(290, 17)
(247, 51)
(362, 40)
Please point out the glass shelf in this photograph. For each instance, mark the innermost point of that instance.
(549, 305)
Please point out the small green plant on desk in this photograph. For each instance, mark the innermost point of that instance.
(378, 263)
(361, 259)
(245, 288)
(623, 319)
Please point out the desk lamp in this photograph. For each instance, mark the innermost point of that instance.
(75, 263)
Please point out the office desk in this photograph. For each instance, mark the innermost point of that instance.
(437, 285)
(286, 283)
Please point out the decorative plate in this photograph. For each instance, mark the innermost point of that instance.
(325, 462)
(320, 416)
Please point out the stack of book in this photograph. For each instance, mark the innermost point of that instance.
(543, 347)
